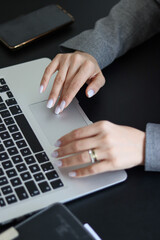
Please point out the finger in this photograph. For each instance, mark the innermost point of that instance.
(80, 133)
(95, 84)
(72, 71)
(57, 85)
(80, 78)
(81, 158)
(50, 69)
(96, 168)
(76, 147)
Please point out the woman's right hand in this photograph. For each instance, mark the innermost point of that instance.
(74, 70)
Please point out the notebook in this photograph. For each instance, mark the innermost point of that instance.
(29, 178)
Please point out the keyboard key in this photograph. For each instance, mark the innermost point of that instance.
(2, 106)
(2, 202)
(1, 148)
(11, 102)
(34, 168)
(56, 184)
(52, 175)
(1, 172)
(15, 182)
(11, 173)
(42, 157)
(39, 176)
(21, 144)
(25, 152)
(4, 88)
(9, 94)
(3, 181)
(9, 121)
(44, 186)
(2, 81)
(32, 188)
(4, 135)
(26, 176)
(2, 127)
(21, 193)
(17, 136)
(11, 199)
(15, 110)
(13, 128)
(5, 114)
(0, 120)
(21, 167)
(12, 151)
(30, 160)
(28, 133)
(3, 156)
(8, 143)
(6, 190)
(47, 167)
(1, 100)
(7, 164)
(17, 159)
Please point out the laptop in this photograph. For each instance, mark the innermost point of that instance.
(29, 179)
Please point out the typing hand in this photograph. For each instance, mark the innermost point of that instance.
(115, 147)
(74, 69)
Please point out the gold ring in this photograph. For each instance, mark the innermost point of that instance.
(92, 155)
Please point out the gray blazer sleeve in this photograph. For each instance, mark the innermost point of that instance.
(129, 23)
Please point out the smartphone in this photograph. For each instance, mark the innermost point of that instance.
(26, 28)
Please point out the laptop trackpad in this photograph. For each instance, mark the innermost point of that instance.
(55, 126)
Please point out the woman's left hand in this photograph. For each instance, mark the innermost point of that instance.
(116, 147)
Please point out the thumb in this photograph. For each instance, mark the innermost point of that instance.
(95, 84)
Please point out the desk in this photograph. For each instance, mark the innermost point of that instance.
(130, 97)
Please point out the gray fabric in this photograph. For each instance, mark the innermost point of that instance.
(152, 158)
(129, 23)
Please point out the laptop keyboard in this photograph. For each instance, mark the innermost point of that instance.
(25, 169)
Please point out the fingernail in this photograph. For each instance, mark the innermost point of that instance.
(55, 154)
(72, 174)
(58, 163)
(90, 93)
(41, 89)
(57, 110)
(57, 144)
(62, 105)
(50, 103)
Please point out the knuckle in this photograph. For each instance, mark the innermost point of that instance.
(75, 146)
(77, 57)
(76, 134)
(59, 79)
(92, 169)
(89, 64)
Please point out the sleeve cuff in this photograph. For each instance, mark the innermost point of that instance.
(152, 153)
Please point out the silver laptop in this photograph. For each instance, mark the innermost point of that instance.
(29, 179)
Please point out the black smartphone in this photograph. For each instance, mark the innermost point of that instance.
(26, 28)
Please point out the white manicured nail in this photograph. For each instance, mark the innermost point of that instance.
(58, 163)
(57, 144)
(55, 154)
(72, 174)
(41, 89)
(50, 103)
(62, 105)
(90, 93)
(57, 110)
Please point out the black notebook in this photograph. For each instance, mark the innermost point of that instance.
(55, 222)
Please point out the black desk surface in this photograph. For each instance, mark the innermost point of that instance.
(130, 97)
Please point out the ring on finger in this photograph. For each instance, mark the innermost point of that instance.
(93, 156)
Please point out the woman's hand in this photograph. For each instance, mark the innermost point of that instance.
(74, 69)
(116, 147)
